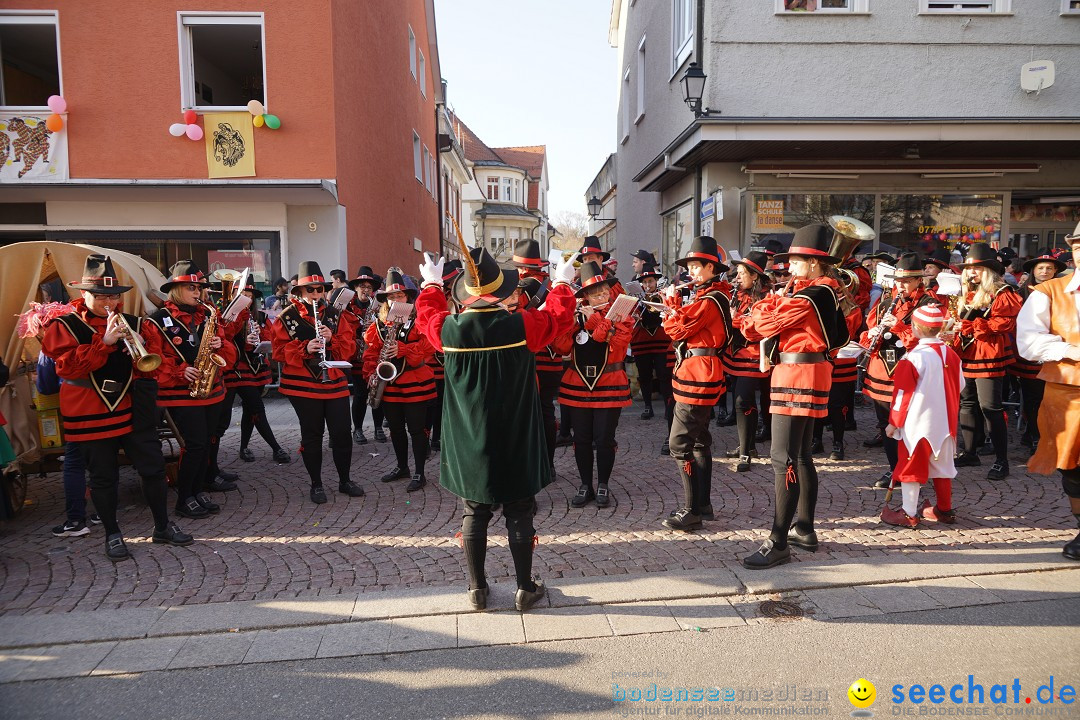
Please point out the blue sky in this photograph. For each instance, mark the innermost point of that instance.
(535, 72)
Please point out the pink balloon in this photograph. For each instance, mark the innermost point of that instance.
(57, 104)
(194, 132)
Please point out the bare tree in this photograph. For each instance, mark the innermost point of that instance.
(572, 227)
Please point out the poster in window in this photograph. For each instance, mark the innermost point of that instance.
(768, 215)
(29, 151)
(230, 144)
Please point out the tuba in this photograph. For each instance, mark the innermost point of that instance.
(848, 234)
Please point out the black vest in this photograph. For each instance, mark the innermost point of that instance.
(830, 318)
(183, 340)
(112, 380)
(589, 358)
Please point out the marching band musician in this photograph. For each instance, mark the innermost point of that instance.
(742, 359)
(433, 424)
(96, 401)
(934, 263)
(320, 396)
(179, 328)
(528, 262)
(247, 378)
(699, 332)
(987, 314)
(595, 386)
(1039, 269)
(802, 329)
(639, 259)
(404, 400)
(1048, 332)
(363, 307)
(531, 293)
(890, 318)
(650, 345)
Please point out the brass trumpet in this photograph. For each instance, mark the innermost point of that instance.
(144, 361)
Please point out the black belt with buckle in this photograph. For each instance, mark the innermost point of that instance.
(107, 386)
(699, 352)
(796, 358)
(590, 370)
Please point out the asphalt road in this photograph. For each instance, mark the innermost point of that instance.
(1029, 642)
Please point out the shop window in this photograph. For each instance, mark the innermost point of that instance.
(922, 223)
(29, 60)
(822, 6)
(678, 229)
(965, 7)
(222, 63)
(778, 216)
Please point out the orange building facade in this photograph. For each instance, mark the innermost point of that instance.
(350, 177)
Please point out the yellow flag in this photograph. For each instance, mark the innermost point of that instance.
(230, 144)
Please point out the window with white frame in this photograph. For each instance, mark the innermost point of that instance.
(492, 188)
(418, 160)
(507, 189)
(423, 75)
(822, 6)
(517, 191)
(412, 52)
(640, 81)
(626, 105)
(427, 169)
(1070, 7)
(964, 7)
(222, 63)
(29, 58)
(682, 32)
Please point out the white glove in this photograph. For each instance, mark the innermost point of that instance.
(432, 270)
(563, 271)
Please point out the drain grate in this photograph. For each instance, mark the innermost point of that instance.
(781, 610)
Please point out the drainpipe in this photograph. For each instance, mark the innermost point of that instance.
(699, 52)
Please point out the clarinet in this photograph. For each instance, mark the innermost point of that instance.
(864, 359)
(324, 376)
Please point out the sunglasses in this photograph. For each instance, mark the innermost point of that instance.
(318, 290)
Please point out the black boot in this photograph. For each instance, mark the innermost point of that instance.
(687, 518)
(1072, 548)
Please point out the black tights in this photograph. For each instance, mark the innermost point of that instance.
(1032, 391)
(980, 402)
(196, 425)
(795, 476)
(360, 405)
(253, 416)
(549, 383)
(891, 446)
(434, 412)
(315, 414)
(650, 365)
(841, 403)
(746, 390)
(412, 415)
(519, 530)
(595, 427)
(143, 449)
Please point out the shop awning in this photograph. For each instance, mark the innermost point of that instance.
(289, 191)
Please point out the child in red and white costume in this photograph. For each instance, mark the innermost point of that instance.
(923, 418)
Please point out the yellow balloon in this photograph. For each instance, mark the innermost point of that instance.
(862, 693)
(257, 121)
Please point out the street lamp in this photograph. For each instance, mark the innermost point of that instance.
(595, 206)
(693, 81)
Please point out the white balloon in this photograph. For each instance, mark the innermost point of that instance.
(177, 129)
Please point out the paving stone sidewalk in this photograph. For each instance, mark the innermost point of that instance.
(141, 640)
(271, 543)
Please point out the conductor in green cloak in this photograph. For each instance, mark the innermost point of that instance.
(493, 446)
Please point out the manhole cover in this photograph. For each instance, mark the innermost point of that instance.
(781, 610)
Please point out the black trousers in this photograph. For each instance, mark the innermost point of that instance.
(747, 408)
(595, 428)
(434, 412)
(980, 401)
(411, 416)
(548, 385)
(197, 425)
(360, 391)
(253, 416)
(891, 446)
(143, 449)
(690, 444)
(794, 476)
(314, 415)
(650, 366)
(475, 519)
(1032, 391)
(841, 405)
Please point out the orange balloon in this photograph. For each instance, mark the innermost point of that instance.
(55, 123)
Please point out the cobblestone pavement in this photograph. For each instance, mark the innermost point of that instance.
(271, 542)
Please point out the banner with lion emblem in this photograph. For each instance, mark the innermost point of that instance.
(29, 151)
(230, 144)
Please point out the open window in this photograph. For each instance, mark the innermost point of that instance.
(29, 59)
(222, 60)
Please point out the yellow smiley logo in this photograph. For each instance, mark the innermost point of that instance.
(862, 693)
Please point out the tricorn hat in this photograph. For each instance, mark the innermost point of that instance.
(592, 274)
(1045, 257)
(99, 277)
(910, 265)
(649, 271)
(940, 258)
(812, 241)
(484, 282)
(365, 274)
(755, 261)
(882, 256)
(185, 272)
(395, 282)
(982, 255)
(310, 274)
(704, 249)
(592, 245)
(451, 269)
(527, 254)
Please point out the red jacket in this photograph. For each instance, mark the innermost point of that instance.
(878, 383)
(743, 356)
(416, 383)
(699, 379)
(299, 375)
(250, 370)
(178, 332)
(987, 344)
(595, 378)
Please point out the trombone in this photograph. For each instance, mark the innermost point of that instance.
(144, 361)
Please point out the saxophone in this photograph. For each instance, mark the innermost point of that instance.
(386, 371)
(207, 362)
